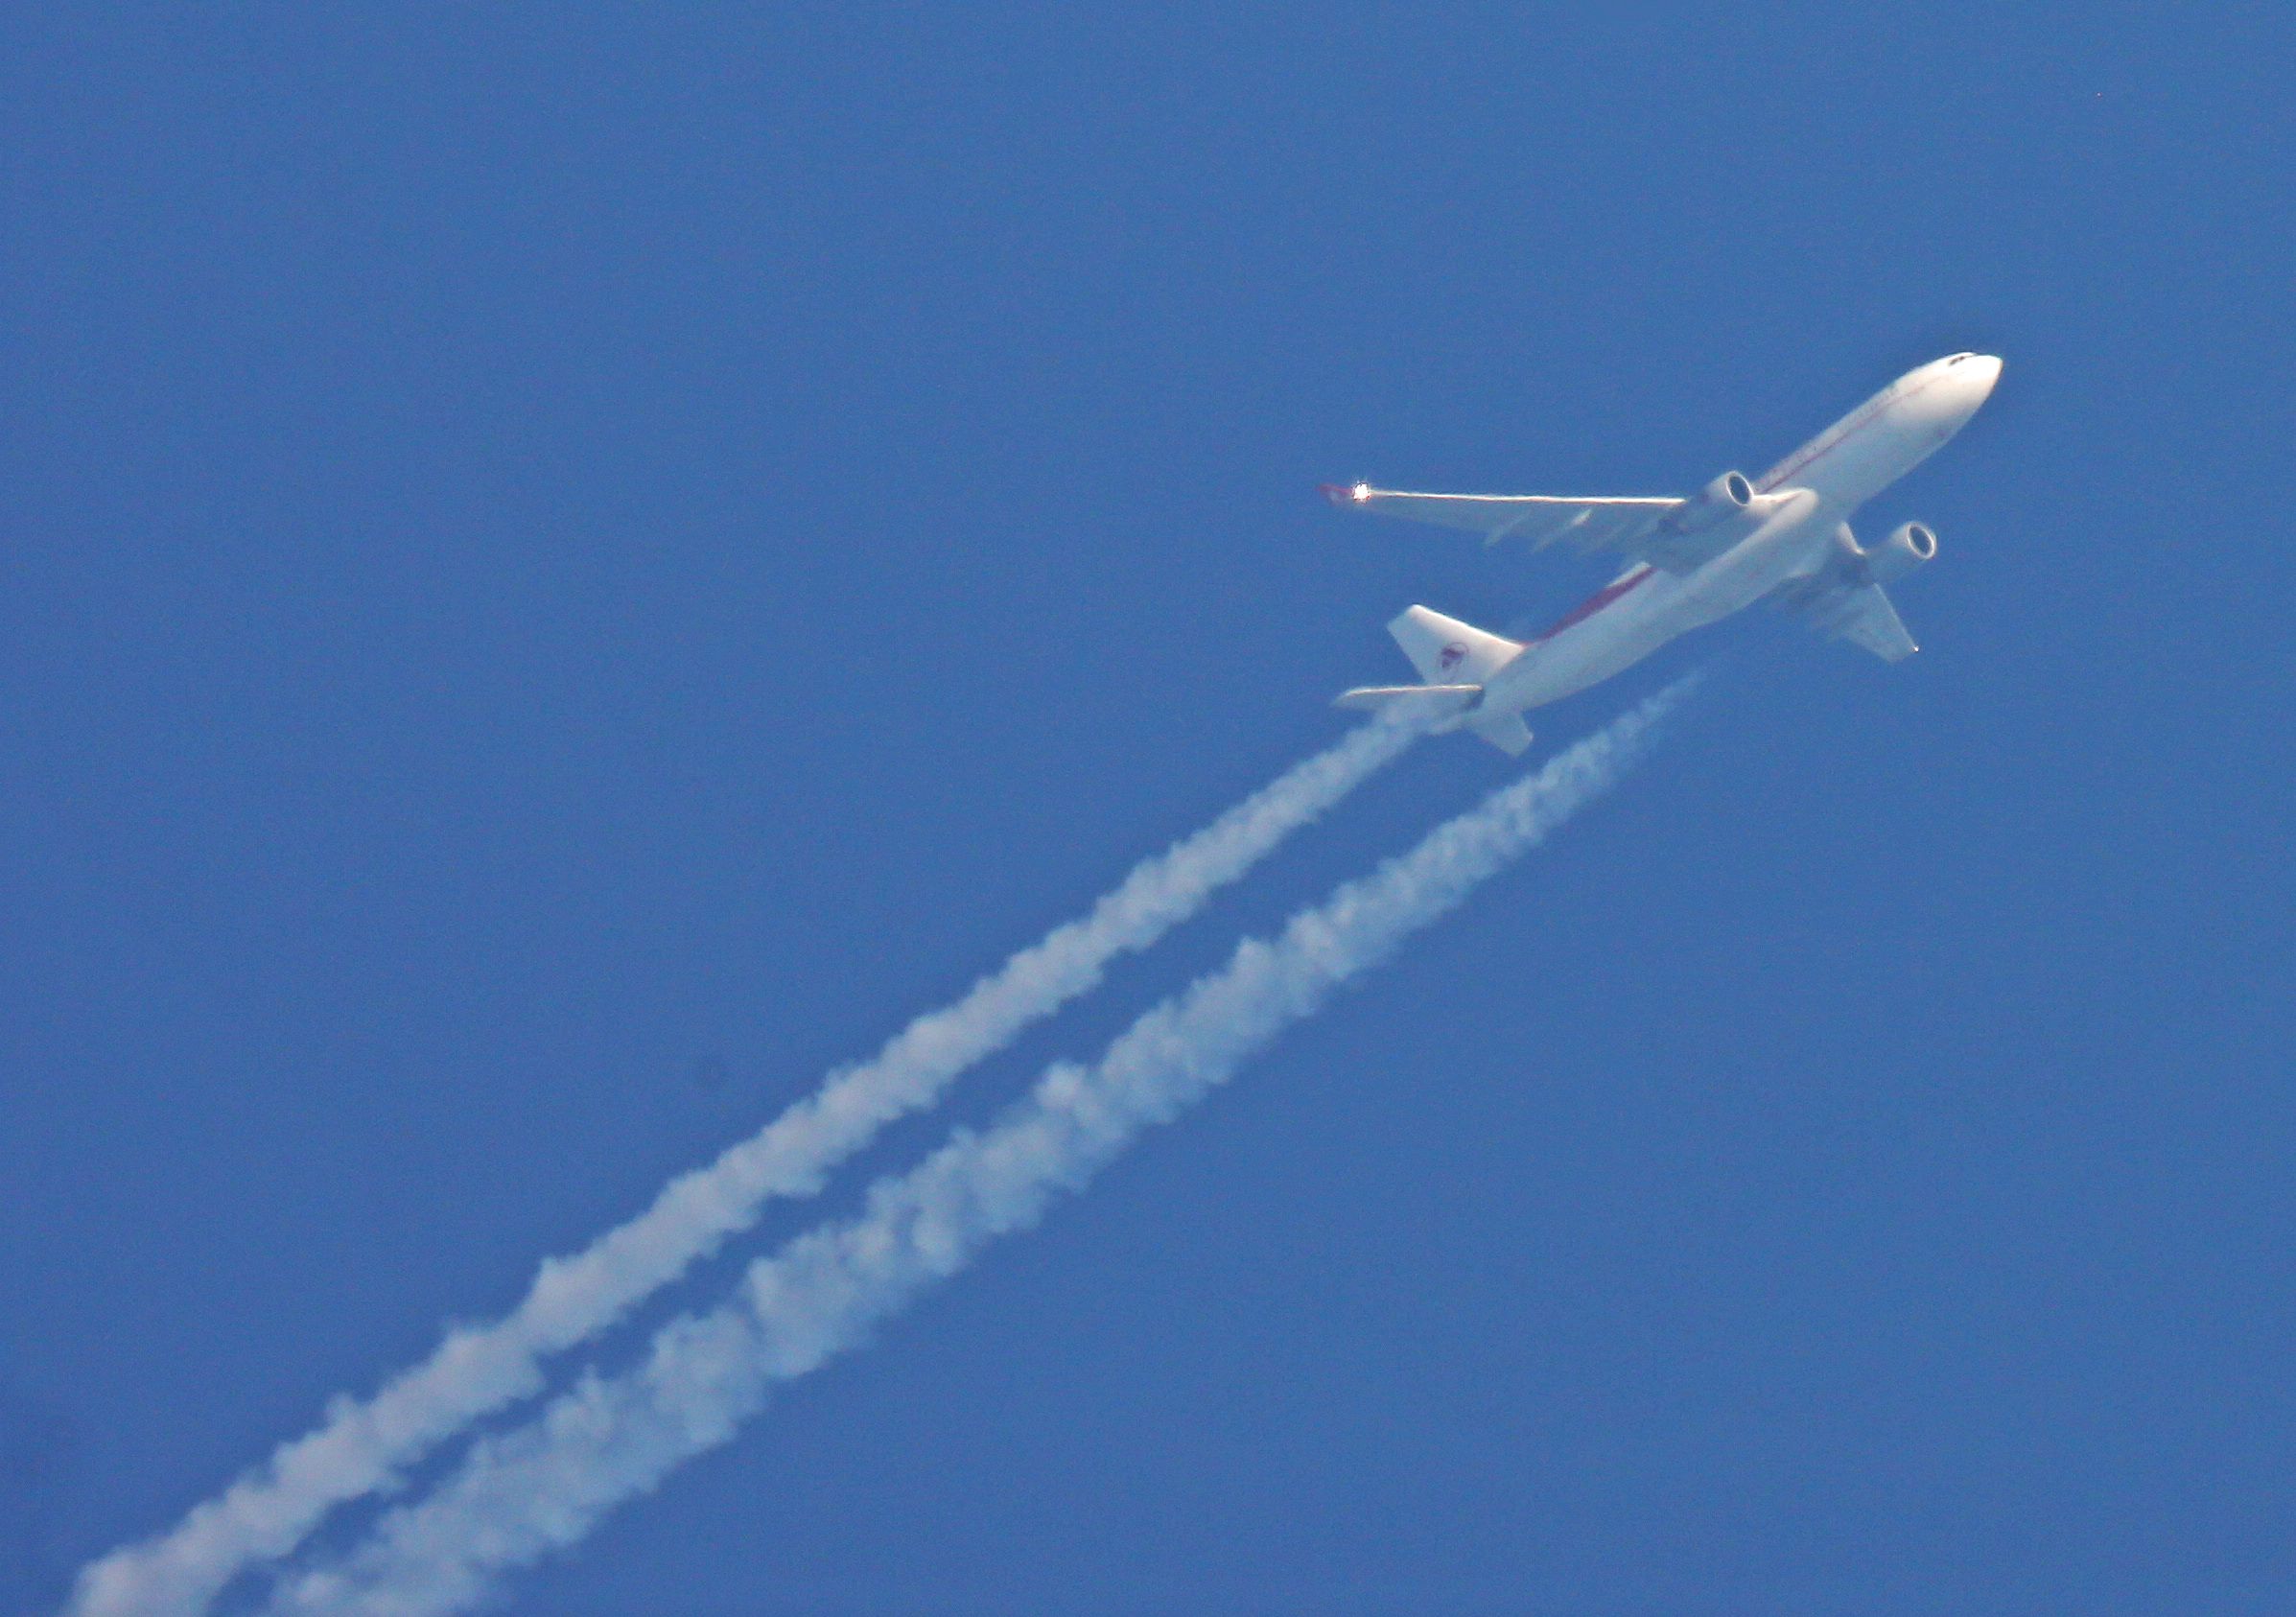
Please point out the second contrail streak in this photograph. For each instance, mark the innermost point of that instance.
(542, 1487)
(362, 1446)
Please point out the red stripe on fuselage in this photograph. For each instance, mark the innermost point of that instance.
(1833, 437)
(1595, 602)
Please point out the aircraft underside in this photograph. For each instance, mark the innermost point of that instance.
(1693, 560)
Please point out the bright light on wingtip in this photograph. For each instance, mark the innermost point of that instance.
(1361, 492)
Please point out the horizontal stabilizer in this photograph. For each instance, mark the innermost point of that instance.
(1445, 708)
(1504, 731)
(1443, 699)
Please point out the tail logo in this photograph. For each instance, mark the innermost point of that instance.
(1453, 655)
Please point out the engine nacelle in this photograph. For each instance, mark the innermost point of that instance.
(1899, 555)
(1730, 495)
(1732, 491)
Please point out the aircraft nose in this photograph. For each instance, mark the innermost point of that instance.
(1969, 379)
(1951, 391)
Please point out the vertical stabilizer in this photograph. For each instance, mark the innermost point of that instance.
(1449, 652)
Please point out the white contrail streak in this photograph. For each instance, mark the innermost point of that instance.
(542, 1487)
(361, 1447)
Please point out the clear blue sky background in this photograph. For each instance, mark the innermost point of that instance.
(565, 570)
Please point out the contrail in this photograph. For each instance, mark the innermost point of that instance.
(360, 1447)
(542, 1487)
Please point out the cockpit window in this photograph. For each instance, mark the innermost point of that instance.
(1958, 359)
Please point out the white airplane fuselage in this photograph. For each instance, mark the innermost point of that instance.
(1813, 491)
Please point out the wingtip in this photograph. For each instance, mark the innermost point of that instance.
(1344, 493)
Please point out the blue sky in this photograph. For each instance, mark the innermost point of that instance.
(565, 572)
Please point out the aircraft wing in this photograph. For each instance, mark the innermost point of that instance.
(1860, 614)
(1618, 524)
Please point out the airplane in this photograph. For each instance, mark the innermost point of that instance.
(1690, 561)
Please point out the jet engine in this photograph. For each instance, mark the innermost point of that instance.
(1725, 497)
(1899, 555)
(1730, 492)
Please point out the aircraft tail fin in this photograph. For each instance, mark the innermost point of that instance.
(1444, 648)
(1456, 659)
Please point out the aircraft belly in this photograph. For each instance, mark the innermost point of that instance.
(1590, 652)
(1734, 581)
(1654, 612)
(1807, 500)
